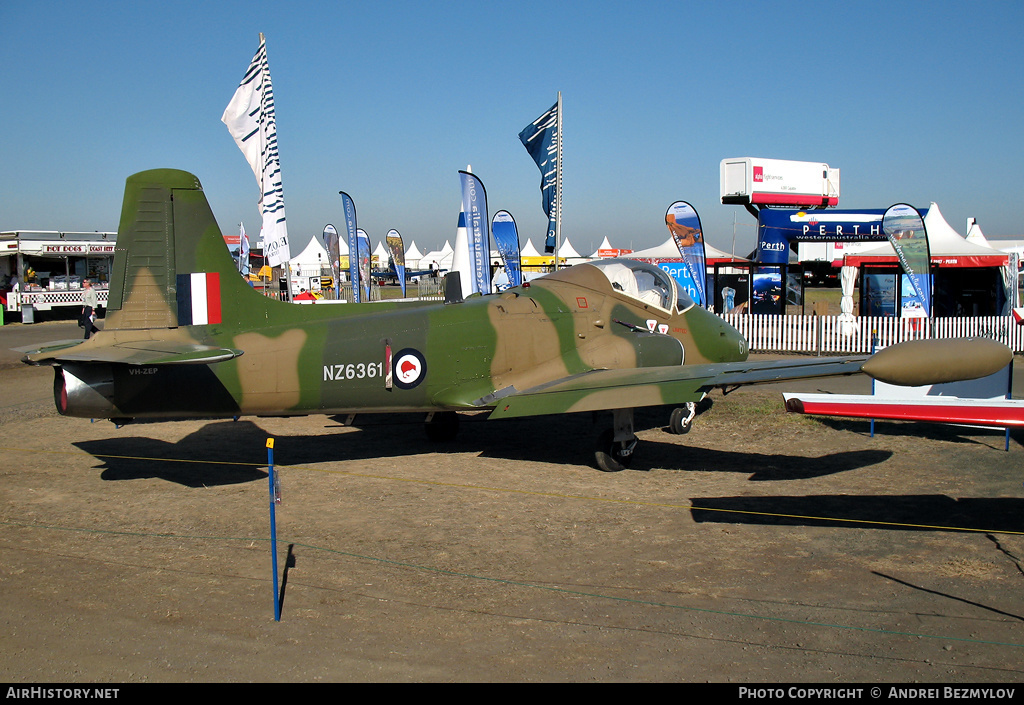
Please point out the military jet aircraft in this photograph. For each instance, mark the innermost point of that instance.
(186, 336)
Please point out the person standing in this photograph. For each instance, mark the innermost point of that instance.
(90, 303)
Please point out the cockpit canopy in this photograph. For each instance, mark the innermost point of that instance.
(644, 282)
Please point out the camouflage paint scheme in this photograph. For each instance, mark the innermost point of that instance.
(566, 342)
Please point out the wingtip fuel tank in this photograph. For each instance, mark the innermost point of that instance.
(917, 363)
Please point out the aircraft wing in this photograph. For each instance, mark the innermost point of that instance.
(912, 363)
(137, 352)
(654, 386)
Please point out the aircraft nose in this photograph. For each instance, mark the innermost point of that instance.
(737, 344)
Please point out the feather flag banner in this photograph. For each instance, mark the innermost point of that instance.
(250, 119)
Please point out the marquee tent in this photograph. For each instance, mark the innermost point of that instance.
(951, 251)
(668, 251)
(443, 257)
(382, 255)
(309, 262)
(948, 248)
(605, 249)
(568, 254)
(413, 256)
(529, 250)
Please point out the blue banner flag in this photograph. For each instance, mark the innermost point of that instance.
(363, 259)
(474, 205)
(333, 246)
(543, 141)
(904, 227)
(506, 239)
(684, 225)
(349, 207)
(396, 250)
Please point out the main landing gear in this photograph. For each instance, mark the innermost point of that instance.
(615, 446)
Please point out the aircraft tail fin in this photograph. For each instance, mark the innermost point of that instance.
(171, 266)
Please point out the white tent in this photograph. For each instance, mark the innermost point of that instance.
(529, 250)
(668, 250)
(605, 245)
(605, 249)
(569, 254)
(948, 248)
(382, 255)
(309, 262)
(413, 256)
(443, 257)
(943, 242)
(713, 254)
(974, 233)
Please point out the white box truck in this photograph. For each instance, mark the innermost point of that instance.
(752, 181)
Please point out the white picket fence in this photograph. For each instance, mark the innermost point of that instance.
(827, 335)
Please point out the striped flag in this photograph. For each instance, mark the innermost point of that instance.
(250, 120)
(198, 299)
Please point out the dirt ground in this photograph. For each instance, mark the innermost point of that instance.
(143, 554)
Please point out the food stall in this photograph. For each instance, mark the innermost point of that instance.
(44, 270)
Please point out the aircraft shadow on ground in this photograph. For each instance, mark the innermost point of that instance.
(231, 452)
(219, 453)
(886, 512)
(570, 439)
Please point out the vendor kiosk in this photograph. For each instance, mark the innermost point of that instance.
(43, 270)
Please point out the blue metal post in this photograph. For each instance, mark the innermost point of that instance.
(273, 524)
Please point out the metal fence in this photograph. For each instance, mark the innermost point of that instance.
(427, 289)
(830, 335)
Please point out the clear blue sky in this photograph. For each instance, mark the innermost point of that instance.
(914, 102)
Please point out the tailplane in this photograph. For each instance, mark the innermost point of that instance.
(171, 266)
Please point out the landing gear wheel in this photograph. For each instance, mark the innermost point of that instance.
(442, 426)
(681, 419)
(612, 455)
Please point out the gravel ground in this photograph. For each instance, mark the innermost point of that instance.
(760, 547)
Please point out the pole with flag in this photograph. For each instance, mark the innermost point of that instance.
(333, 246)
(543, 140)
(684, 225)
(904, 227)
(474, 206)
(250, 119)
(396, 251)
(506, 239)
(363, 257)
(352, 238)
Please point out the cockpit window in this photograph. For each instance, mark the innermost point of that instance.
(644, 282)
(683, 300)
